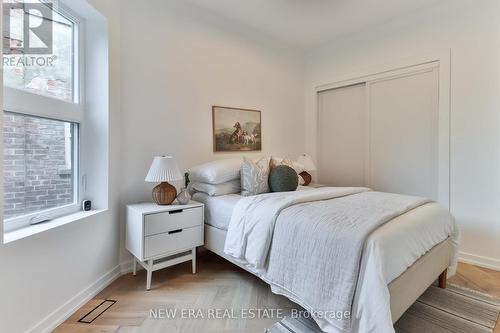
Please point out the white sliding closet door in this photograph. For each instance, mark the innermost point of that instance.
(404, 134)
(382, 133)
(342, 138)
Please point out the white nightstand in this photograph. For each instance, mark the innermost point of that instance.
(162, 236)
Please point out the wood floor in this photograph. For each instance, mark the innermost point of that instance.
(217, 285)
(480, 279)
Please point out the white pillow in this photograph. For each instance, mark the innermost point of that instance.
(276, 161)
(254, 176)
(231, 187)
(216, 172)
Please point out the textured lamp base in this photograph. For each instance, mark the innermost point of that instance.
(164, 194)
(307, 178)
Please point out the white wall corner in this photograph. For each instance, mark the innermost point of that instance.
(126, 267)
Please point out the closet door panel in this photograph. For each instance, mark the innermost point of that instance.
(403, 149)
(342, 136)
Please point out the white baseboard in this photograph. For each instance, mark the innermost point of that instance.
(62, 313)
(481, 261)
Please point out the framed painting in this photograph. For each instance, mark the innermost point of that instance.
(236, 129)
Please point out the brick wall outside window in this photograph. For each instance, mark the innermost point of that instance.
(36, 176)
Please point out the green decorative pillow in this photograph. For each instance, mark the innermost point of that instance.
(283, 179)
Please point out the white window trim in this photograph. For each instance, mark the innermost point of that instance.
(32, 104)
(17, 234)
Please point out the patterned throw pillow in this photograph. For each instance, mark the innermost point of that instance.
(277, 161)
(254, 176)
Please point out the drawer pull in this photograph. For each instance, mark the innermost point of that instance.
(176, 211)
(175, 231)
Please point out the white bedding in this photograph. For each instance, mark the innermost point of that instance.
(390, 250)
(409, 235)
(218, 210)
(252, 226)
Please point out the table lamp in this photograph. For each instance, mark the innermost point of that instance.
(164, 170)
(309, 165)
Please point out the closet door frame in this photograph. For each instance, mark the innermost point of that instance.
(440, 61)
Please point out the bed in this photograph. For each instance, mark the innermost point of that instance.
(411, 251)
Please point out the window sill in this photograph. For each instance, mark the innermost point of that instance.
(14, 235)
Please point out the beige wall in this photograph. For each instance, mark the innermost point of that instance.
(471, 29)
(176, 63)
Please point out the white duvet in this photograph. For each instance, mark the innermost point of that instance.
(307, 245)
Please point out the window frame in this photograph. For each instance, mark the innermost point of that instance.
(32, 104)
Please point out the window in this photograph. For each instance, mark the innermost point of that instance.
(49, 75)
(42, 112)
(38, 164)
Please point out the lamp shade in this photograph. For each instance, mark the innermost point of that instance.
(163, 169)
(307, 162)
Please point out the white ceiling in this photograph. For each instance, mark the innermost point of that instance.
(308, 23)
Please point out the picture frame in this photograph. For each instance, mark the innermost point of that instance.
(236, 129)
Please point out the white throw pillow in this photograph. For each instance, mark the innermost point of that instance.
(231, 187)
(276, 161)
(216, 172)
(254, 176)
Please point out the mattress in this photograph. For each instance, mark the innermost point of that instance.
(400, 242)
(218, 209)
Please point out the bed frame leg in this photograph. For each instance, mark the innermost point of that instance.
(442, 279)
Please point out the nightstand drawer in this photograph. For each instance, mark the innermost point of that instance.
(173, 241)
(173, 220)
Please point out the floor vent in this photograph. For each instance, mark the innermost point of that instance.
(97, 311)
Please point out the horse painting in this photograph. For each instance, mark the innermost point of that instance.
(236, 129)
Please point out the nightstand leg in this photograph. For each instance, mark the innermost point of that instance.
(150, 272)
(134, 267)
(193, 251)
